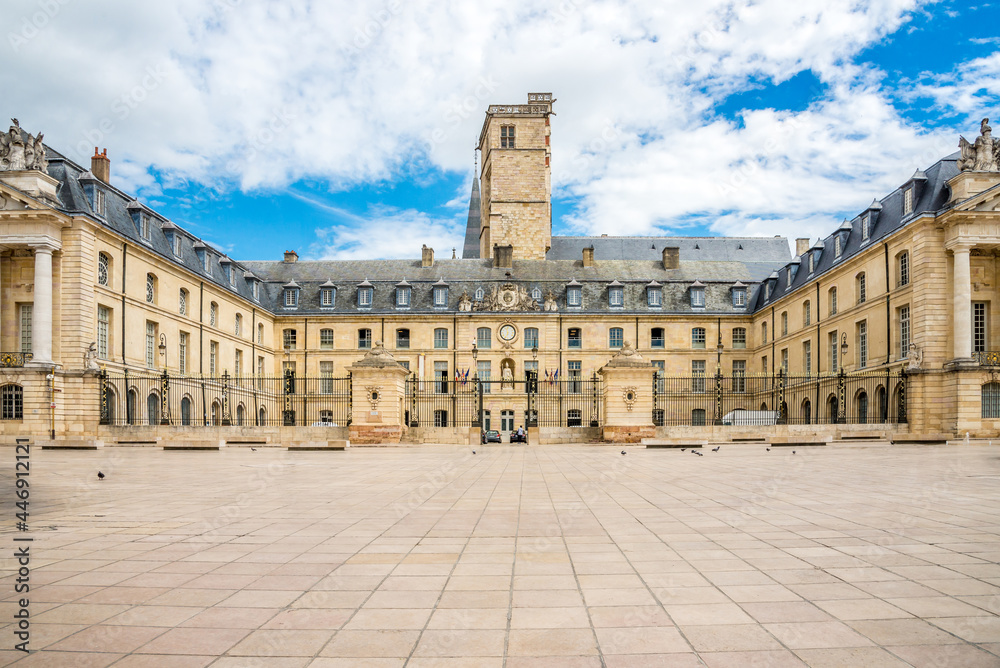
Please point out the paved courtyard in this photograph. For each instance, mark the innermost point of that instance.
(526, 556)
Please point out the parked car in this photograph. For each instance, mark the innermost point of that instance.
(491, 436)
(514, 438)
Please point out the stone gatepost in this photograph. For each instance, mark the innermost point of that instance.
(628, 397)
(378, 385)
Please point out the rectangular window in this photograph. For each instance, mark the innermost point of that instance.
(656, 339)
(739, 375)
(574, 339)
(739, 297)
(698, 337)
(238, 364)
(531, 365)
(99, 202)
(150, 345)
(260, 365)
(784, 323)
(144, 226)
(616, 297)
(213, 358)
(441, 377)
(403, 338)
(364, 339)
(326, 297)
(289, 339)
(177, 244)
(403, 297)
(103, 329)
(661, 381)
(506, 136)
(531, 337)
(862, 289)
(207, 261)
(806, 314)
(904, 331)
(697, 375)
(833, 301)
(574, 369)
(865, 224)
(654, 297)
(908, 201)
(483, 371)
(739, 337)
(616, 337)
(698, 297)
(574, 297)
(182, 353)
(807, 357)
(440, 297)
(326, 377)
(784, 360)
(484, 338)
(255, 290)
(326, 339)
(862, 344)
(26, 319)
(832, 343)
(290, 298)
(979, 333)
(365, 297)
(441, 338)
(763, 364)
(904, 269)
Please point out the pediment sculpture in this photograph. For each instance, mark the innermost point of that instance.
(506, 297)
(18, 153)
(983, 155)
(465, 302)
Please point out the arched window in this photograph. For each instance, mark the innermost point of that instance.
(103, 269)
(832, 409)
(763, 332)
(902, 269)
(832, 297)
(261, 417)
(11, 402)
(881, 404)
(536, 294)
(150, 288)
(861, 287)
(182, 302)
(213, 314)
(326, 339)
(806, 412)
(131, 401)
(240, 412)
(185, 410)
(784, 323)
(861, 402)
(616, 336)
(806, 314)
(991, 401)
(216, 411)
(238, 327)
(479, 294)
(260, 333)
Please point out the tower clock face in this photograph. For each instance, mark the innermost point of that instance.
(507, 333)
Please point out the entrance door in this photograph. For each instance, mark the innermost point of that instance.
(507, 421)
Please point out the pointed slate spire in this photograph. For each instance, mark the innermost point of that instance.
(471, 247)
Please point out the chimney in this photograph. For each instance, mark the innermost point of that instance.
(426, 256)
(801, 246)
(503, 256)
(588, 257)
(291, 256)
(100, 166)
(671, 257)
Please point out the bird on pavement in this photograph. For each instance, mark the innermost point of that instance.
(716, 448)
(623, 452)
(253, 449)
(100, 476)
(683, 449)
(793, 452)
(769, 449)
(473, 452)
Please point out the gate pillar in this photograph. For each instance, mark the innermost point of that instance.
(378, 390)
(628, 397)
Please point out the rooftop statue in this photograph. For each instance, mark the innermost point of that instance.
(983, 155)
(18, 153)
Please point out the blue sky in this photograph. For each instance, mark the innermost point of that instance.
(346, 130)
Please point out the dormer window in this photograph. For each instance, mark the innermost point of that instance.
(99, 205)
(812, 262)
(908, 201)
(327, 295)
(290, 294)
(574, 295)
(403, 295)
(837, 247)
(616, 295)
(536, 294)
(479, 294)
(698, 295)
(739, 296)
(255, 290)
(176, 244)
(144, 226)
(654, 295)
(366, 294)
(866, 222)
(440, 295)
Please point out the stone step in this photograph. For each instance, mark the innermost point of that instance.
(72, 444)
(207, 444)
(315, 446)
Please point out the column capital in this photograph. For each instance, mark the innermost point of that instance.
(46, 248)
(959, 246)
(35, 241)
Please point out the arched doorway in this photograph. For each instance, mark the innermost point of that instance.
(806, 412)
(861, 407)
(153, 408)
(131, 405)
(186, 410)
(831, 408)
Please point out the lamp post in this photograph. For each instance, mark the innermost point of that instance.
(843, 350)
(842, 382)
(164, 383)
(163, 349)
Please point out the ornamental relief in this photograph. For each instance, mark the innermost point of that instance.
(506, 297)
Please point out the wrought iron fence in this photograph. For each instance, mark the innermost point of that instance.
(741, 400)
(576, 402)
(140, 398)
(987, 357)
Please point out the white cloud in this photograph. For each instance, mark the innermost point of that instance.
(259, 94)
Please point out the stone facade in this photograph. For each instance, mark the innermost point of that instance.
(917, 268)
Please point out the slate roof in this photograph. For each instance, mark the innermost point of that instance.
(470, 249)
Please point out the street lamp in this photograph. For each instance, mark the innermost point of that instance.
(843, 350)
(163, 349)
(475, 352)
(534, 352)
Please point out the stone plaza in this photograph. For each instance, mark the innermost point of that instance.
(512, 556)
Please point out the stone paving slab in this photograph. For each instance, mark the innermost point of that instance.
(527, 556)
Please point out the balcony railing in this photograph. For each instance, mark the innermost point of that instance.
(10, 360)
(987, 357)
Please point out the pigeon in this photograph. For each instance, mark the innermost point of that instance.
(100, 476)
(473, 452)
(253, 449)
(769, 449)
(699, 454)
(683, 449)
(623, 452)
(716, 448)
(793, 452)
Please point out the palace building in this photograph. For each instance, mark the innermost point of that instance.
(118, 326)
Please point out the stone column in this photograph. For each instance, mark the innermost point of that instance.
(628, 397)
(41, 320)
(962, 304)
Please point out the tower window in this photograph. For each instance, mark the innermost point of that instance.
(506, 136)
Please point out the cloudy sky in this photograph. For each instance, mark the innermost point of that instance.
(347, 129)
